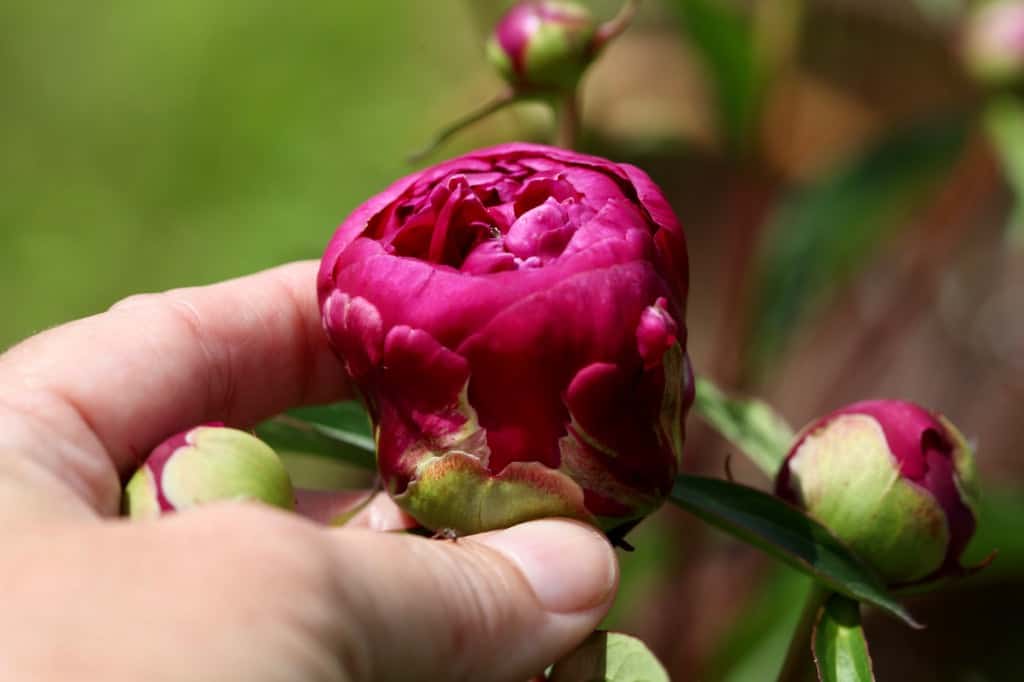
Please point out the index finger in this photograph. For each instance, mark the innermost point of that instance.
(115, 384)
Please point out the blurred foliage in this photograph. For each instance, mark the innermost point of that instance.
(340, 432)
(723, 35)
(152, 145)
(742, 52)
(941, 11)
(755, 647)
(825, 233)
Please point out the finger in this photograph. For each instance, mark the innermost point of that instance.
(330, 507)
(117, 383)
(353, 509)
(382, 514)
(499, 606)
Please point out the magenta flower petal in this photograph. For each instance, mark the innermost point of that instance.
(513, 317)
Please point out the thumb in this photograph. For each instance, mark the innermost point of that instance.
(496, 606)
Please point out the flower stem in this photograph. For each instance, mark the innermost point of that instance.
(567, 135)
(799, 662)
(498, 103)
(616, 25)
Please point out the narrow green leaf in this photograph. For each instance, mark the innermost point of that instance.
(944, 12)
(609, 657)
(821, 236)
(1004, 121)
(787, 534)
(340, 431)
(840, 648)
(723, 35)
(348, 417)
(753, 426)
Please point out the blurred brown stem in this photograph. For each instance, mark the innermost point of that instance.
(568, 131)
(944, 226)
(750, 203)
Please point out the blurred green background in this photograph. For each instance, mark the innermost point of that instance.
(158, 144)
(840, 176)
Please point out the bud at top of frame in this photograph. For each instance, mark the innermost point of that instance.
(993, 43)
(543, 45)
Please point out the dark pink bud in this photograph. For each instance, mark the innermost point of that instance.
(543, 44)
(514, 321)
(655, 334)
(893, 480)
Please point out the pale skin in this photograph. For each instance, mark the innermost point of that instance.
(237, 591)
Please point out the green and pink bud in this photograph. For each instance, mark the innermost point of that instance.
(543, 45)
(893, 481)
(993, 43)
(514, 321)
(205, 464)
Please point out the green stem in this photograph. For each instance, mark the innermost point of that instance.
(615, 26)
(497, 104)
(799, 662)
(567, 135)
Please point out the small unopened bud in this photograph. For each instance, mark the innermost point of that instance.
(891, 480)
(543, 45)
(993, 43)
(205, 464)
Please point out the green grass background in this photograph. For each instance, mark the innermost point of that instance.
(147, 145)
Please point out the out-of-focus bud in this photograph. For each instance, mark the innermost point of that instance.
(543, 45)
(891, 480)
(993, 43)
(205, 464)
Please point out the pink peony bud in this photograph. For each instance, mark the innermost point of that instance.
(205, 464)
(514, 321)
(543, 45)
(893, 481)
(993, 43)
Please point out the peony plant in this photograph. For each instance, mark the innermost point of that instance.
(514, 323)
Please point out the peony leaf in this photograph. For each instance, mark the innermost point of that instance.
(724, 38)
(787, 534)
(609, 657)
(340, 431)
(840, 648)
(753, 426)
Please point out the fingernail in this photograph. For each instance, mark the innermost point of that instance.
(570, 566)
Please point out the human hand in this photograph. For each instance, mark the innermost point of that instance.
(239, 591)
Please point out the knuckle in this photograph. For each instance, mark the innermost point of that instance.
(135, 301)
